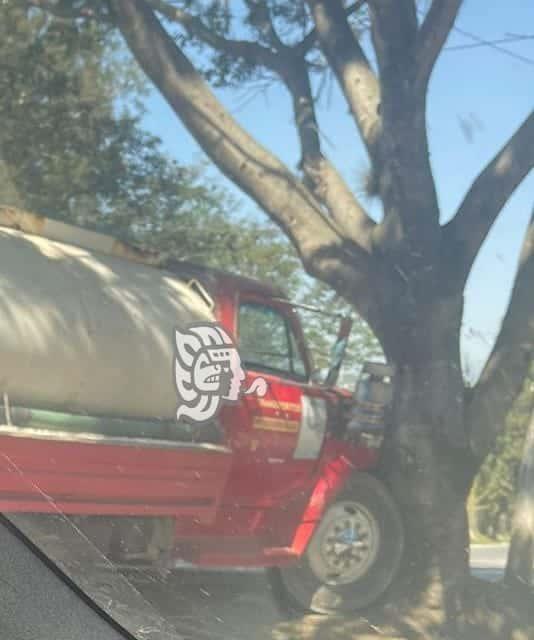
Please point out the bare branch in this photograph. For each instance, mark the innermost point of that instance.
(260, 17)
(510, 360)
(60, 9)
(404, 174)
(348, 61)
(465, 233)
(255, 170)
(432, 36)
(254, 52)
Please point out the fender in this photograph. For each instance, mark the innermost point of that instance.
(334, 475)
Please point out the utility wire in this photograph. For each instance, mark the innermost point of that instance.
(476, 45)
(494, 45)
(488, 43)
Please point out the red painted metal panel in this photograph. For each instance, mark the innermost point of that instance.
(96, 478)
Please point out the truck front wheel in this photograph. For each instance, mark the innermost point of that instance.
(354, 553)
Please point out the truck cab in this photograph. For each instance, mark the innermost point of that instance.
(281, 443)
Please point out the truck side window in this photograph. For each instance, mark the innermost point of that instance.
(267, 342)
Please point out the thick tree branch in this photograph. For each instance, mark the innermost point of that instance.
(411, 221)
(432, 36)
(310, 39)
(255, 170)
(510, 360)
(350, 218)
(295, 75)
(351, 67)
(328, 186)
(394, 33)
(322, 177)
(465, 233)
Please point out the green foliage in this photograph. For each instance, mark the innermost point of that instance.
(197, 226)
(61, 142)
(67, 153)
(496, 484)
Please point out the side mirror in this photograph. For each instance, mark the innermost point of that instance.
(338, 351)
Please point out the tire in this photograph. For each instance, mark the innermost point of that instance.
(353, 556)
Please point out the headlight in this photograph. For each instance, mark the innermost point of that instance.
(372, 398)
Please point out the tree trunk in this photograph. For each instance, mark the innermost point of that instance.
(427, 459)
(521, 553)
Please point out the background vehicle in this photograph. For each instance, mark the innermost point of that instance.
(283, 481)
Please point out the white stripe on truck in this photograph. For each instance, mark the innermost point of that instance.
(312, 428)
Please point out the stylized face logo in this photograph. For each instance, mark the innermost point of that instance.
(208, 372)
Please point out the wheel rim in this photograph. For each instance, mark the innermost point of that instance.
(345, 544)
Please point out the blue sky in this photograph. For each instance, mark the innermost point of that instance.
(488, 89)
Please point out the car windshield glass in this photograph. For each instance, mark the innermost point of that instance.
(194, 196)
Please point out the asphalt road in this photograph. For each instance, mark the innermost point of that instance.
(489, 560)
(200, 605)
(240, 606)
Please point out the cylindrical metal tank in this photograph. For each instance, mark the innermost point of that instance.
(83, 332)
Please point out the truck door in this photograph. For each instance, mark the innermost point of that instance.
(281, 434)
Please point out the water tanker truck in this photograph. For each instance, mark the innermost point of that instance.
(173, 413)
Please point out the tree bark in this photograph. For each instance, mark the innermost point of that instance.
(521, 554)
(431, 481)
(427, 461)
(351, 67)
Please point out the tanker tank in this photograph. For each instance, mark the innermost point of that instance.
(82, 332)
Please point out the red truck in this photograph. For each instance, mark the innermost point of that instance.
(283, 481)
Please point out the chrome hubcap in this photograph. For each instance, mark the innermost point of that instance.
(345, 544)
